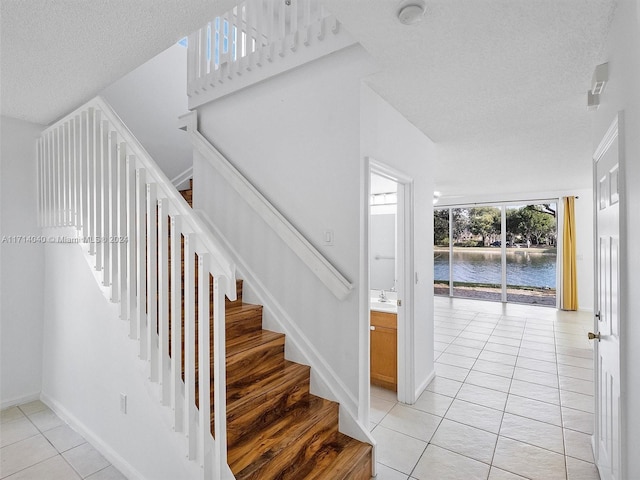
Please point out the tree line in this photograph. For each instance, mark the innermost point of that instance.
(480, 226)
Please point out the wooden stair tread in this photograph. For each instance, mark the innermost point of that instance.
(236, 346)
(288, 442)
(341, 458)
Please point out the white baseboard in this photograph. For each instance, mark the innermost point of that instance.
(422, 387)
(12, 402)
(105, 450)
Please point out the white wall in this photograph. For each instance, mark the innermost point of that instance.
(21, 265)
(149, 100)
(383, 243)
(90, 361)
(296, 137)
(389, 138)
(622, 93)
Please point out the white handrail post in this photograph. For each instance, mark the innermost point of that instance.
(152, 286)
(141, 258)
(176, 323)
(189, 346)
(163, 298)
(220, 285)
(204, 369)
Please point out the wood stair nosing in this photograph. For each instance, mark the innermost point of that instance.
(289, 442)
(344, 457)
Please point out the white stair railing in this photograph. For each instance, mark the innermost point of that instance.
(94, 175)
(254, 34)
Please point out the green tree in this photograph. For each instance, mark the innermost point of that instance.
(441, 226)
(484, 221)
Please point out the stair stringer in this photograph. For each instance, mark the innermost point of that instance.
(298, 348)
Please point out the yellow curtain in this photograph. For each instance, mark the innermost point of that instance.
(569, 278)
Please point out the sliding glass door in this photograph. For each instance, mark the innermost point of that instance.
(474, 259)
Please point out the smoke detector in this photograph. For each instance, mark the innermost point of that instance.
(411, 13)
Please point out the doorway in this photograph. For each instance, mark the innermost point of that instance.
(390, 268)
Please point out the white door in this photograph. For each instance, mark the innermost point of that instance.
(607, 322)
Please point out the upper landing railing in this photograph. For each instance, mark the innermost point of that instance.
(255, 40)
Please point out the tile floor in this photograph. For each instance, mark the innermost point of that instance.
(512, 399)
(37, 445)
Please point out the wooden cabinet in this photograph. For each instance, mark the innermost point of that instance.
(384, 350)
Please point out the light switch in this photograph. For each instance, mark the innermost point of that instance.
(328, 237)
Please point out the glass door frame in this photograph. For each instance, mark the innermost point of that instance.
(503, 237)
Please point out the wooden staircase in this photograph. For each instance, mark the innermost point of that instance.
(276, 429)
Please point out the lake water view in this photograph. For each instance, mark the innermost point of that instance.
(524, 268)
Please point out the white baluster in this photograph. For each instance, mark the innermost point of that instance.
(163, 298)
(52, 178)
(72, 171)
(202, 58)
(152, 275)
(141, 260)
(120, 245)
(204, 368)
(220, 285)
(60, 178)
(78, 171)
(192, 64)
(89, 230)
(112, 246)
(106, 204)
(189, 347)
(132, 247)
(176, 323)
(97, 190)
(64, 160)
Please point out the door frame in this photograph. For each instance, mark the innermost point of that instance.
(405, 270)
(613, 134)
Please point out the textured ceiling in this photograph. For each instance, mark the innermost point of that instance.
(57, 54)
(499, 85)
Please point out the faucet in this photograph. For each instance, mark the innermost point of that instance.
(382, 297)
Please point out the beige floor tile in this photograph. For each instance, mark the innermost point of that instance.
(578, 445)
(450, 371)
(10, 414)
(580, 470)
(586, 387)
(467, 342)
(528, 461)
(384, 394)
(498, 474)
(538, 392)
(85, 460)
(17, 430)
(396, 450)
(499, 348)
(456, 360)
(501, 358)
(577, 420)
(33, 407)
(483, 396)
(534, 409)
(463, 351)
(55, 468)
(493, 368)
(535, 376)
(537, 354)
(576, 361)
(488, 380)
(474, 415)
(412, 422)
(446, 465)
(444, 386)
(530, 431)
(433, 403)
(24, 454)
(111, 473)
(45, 420)
(578, 401)
(540, 365)
(64, 438)
(465, 440)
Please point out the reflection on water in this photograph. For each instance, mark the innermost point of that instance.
(523, 268)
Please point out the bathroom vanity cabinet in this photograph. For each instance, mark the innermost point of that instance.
(384, 350)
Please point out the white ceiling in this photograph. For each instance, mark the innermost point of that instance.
(499, 85)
